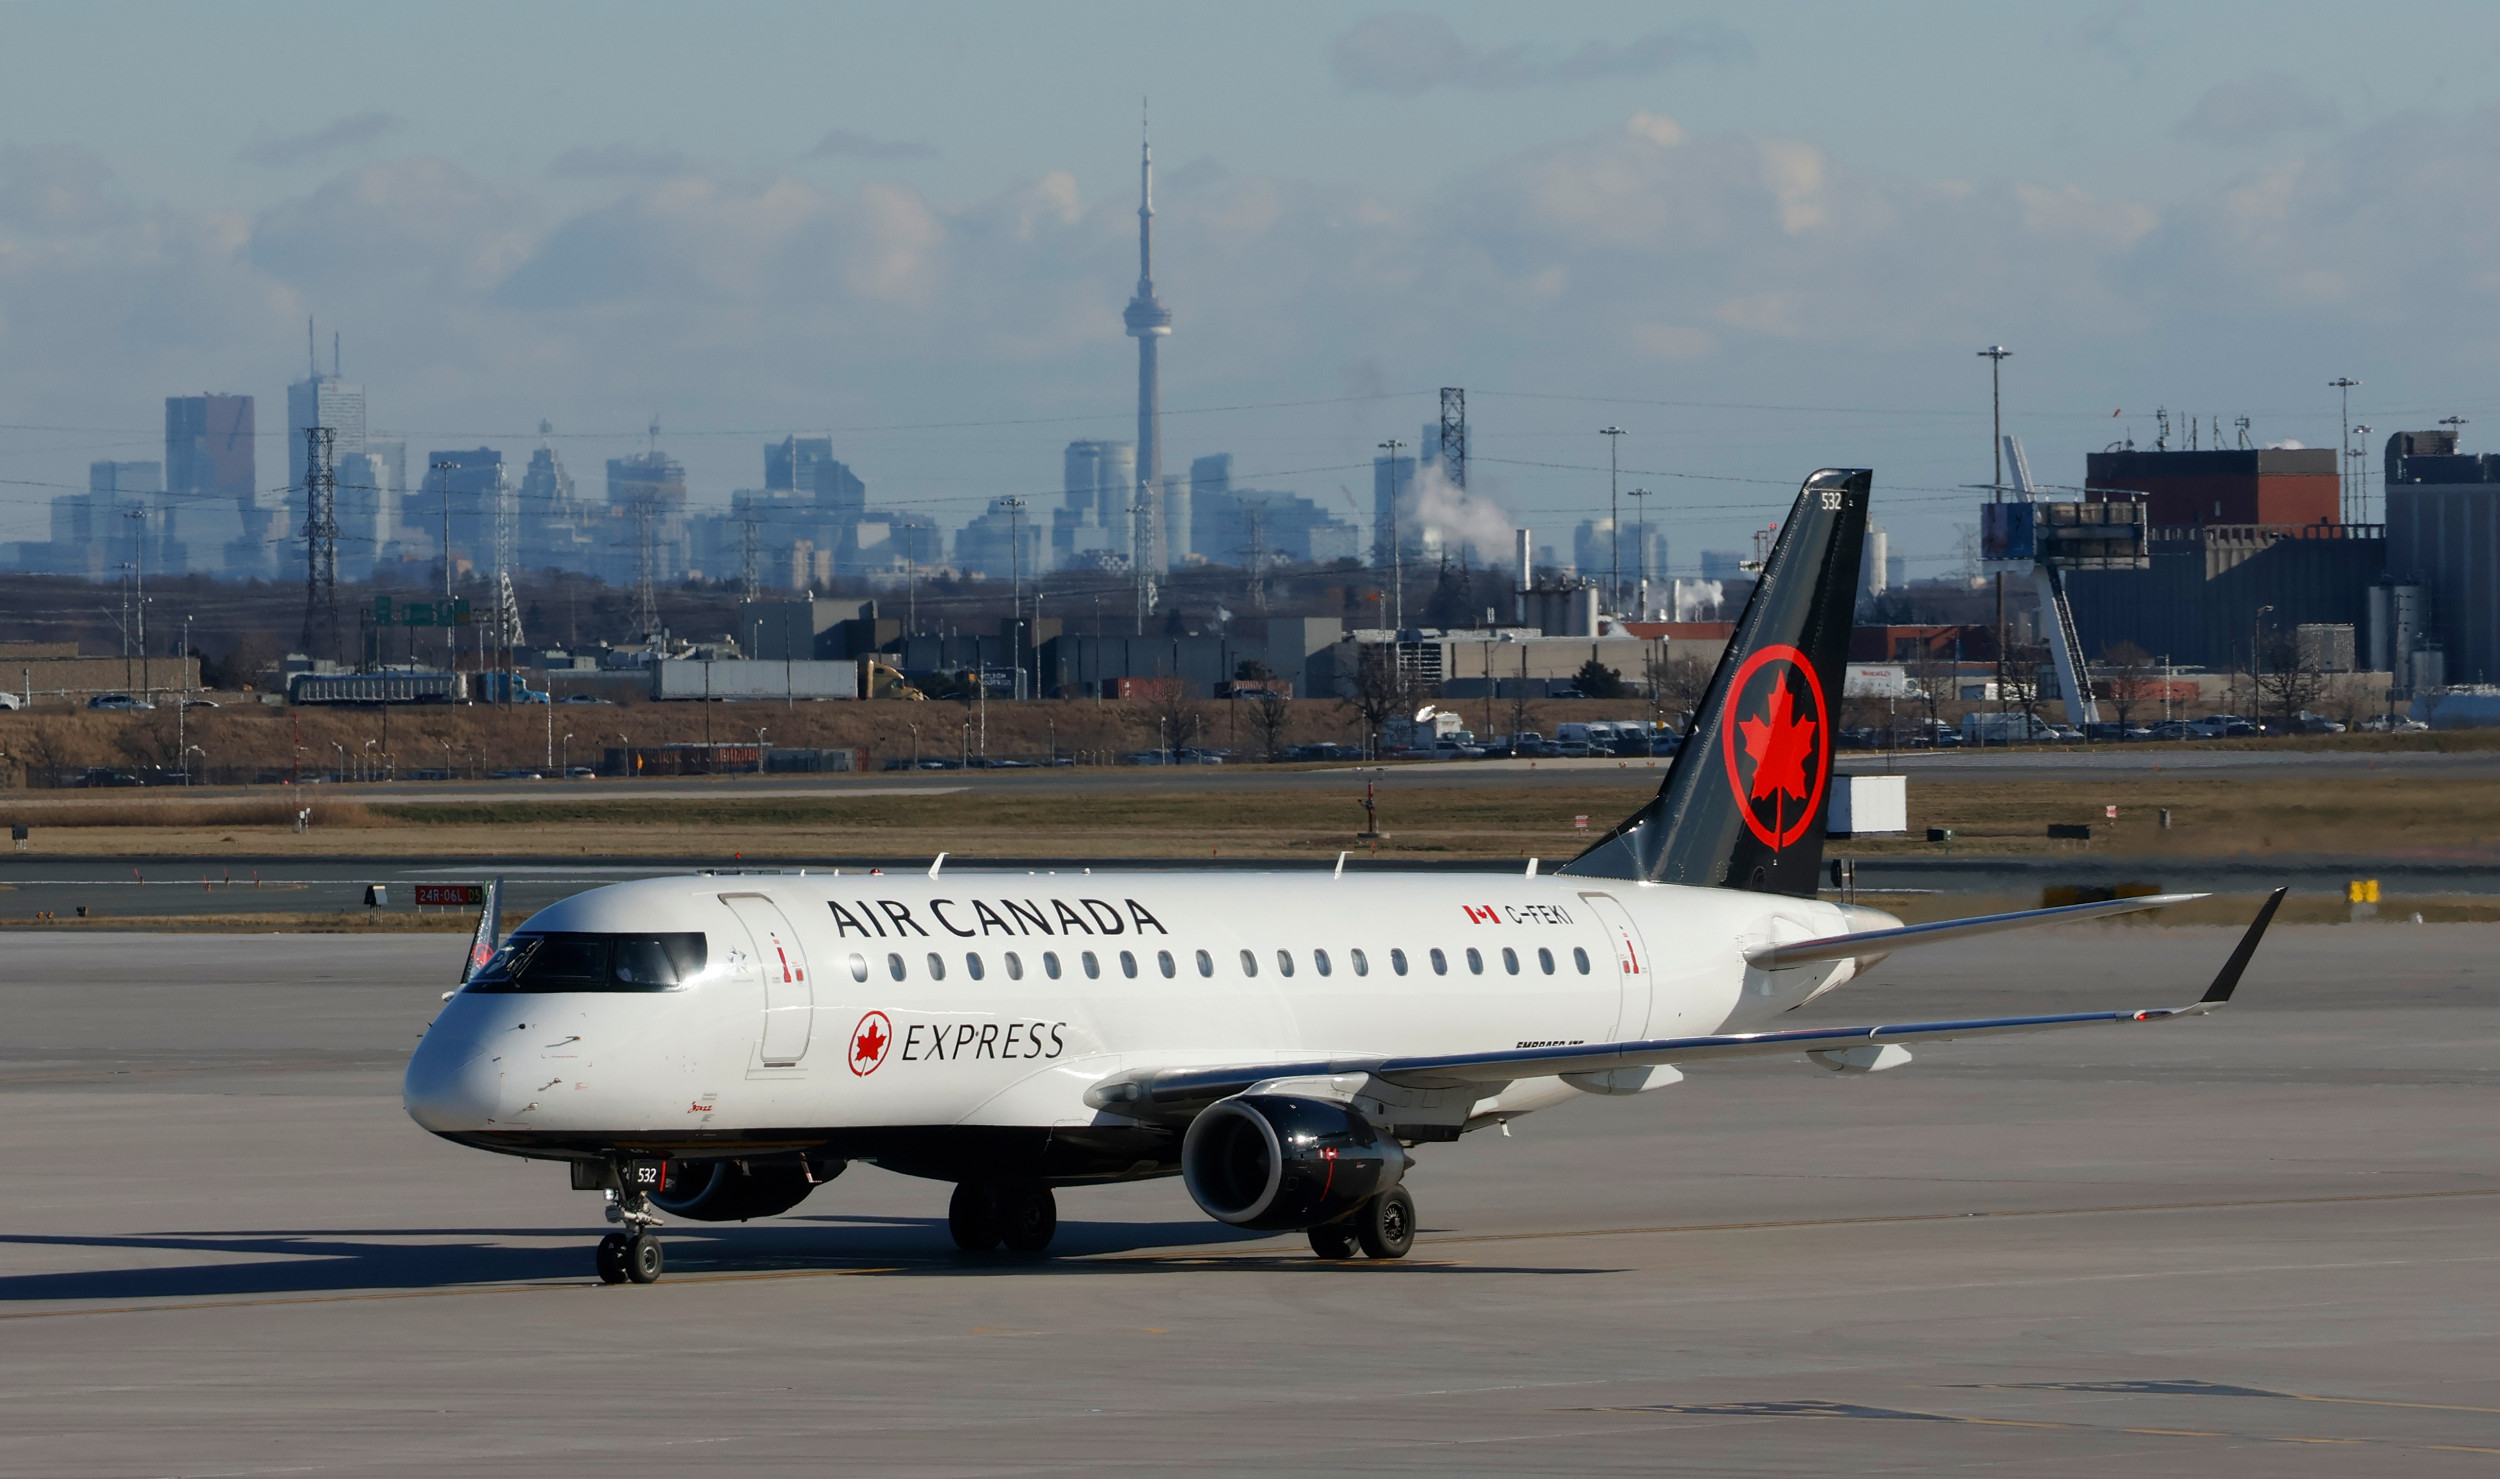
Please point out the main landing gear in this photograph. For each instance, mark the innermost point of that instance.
(981, 1217)
(1383, 1227)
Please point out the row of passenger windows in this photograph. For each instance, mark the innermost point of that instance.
(976, 967)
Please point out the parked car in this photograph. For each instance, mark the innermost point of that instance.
(584, 698)
(580, 773)
(118, 701)
(199, 703)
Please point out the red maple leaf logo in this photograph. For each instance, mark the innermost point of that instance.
(869, 1040)
(1779, 747)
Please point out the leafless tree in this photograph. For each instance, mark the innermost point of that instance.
(1936, 678)
(2128, 679)
(2287, 681)
(1271, 722)
(1168, 714)
(1677, 680)
(1376, 691)
(2024, 664)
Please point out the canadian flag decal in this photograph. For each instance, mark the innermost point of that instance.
(1484, 915)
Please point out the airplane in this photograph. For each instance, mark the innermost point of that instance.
(716, 1047)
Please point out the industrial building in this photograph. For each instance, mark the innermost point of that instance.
(2276, 487)
(2244, 544)
(2443, 553)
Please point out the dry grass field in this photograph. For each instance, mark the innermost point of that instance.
(2389, 817)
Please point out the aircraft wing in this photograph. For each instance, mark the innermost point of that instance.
(1181, 1091)
(1883, 942)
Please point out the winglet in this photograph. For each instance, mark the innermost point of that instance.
(2229, 980)
(940, 863)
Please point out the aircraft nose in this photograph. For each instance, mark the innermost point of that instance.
(452, 1084)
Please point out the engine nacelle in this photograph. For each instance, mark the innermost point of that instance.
(733, 1191)
(1277, 1163)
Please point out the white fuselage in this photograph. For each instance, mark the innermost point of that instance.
(849, 1004)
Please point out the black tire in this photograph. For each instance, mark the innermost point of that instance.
(612, 1258)
(1027, 1218)
(642, 1260)
(1386, 1224)
(1333, 1240)
(972, 1218)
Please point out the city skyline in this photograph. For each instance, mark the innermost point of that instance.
(1599, 215)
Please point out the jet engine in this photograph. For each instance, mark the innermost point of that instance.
(733, 1191)
(1276, 1162)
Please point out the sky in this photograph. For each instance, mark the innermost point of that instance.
(1758, 239)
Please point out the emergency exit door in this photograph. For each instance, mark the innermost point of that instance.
(789, 1000)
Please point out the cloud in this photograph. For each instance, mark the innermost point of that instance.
(2256, 110)
(631, 161)
(1407, 53)
(309, 148)
(841, 143)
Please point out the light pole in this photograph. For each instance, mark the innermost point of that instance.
(2361, 474)
(442, 485)
(1614, 516)
(1996, 355)
(2344, 384)
(139, 554)
(2256, 658)
(915, 743)
(760, 732)
(565, 751)
(1397, 543)
(187, 752)
(1640, 556)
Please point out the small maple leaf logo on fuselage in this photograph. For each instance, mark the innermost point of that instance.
(869, 1042)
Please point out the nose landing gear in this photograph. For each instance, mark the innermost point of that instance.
(637, 1258)
(634, 1254)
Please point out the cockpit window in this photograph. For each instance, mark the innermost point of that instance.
(553, 962)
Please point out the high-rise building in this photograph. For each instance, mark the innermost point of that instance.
(465, 488)
(789, 464)
(1090, 530)
(647, 484)
(1149, 323)
(225, 520)
(559, 528)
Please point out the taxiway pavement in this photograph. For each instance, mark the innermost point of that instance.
(2254, 1244)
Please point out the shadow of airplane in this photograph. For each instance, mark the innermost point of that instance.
(272, 1262)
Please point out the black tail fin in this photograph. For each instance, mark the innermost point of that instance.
(1743, 803)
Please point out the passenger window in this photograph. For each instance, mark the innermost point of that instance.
(1128, 964)
(972, 965)
(1545, 960)
(1510, 960)
(1319, 962)
(1249, 963)
(1440, 962)
(937, 966)
(1050, 964)
(859, 967)
(894, 966)
(1362, 967)
(1206, 964)
(1475, 960)
(1580, 958)
(1015, 966)
(1284, 962)
(1397, 961)
(1163, 959)
(1093, 967)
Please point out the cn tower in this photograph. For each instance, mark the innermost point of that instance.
(1148, 321)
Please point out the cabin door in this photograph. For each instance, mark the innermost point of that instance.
(789, 1000)
(1633, 971)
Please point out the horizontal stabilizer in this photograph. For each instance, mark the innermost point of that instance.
(1884, 942)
